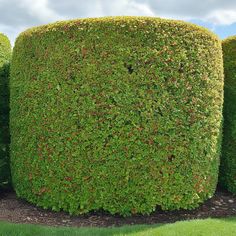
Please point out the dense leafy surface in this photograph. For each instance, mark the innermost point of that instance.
(5, 54)
(228, 160)
(120, 114)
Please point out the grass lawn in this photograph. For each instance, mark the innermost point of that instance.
(208, 227)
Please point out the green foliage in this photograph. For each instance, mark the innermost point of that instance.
(121, 114)
(5, 54)
(228, 161)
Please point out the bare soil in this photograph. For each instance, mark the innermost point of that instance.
(12, 209)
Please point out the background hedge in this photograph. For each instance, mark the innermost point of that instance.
(5, 54)
(228, 160)
(117, 113)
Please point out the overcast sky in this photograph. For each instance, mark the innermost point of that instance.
(18, 15)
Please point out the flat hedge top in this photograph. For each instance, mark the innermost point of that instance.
(132, 20)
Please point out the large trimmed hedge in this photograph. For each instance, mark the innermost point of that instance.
(121, 114)
(5, 54)
(228, 160)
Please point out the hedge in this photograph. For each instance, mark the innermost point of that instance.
(5, 54)
(121, 114)
(228, 159)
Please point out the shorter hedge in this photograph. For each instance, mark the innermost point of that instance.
(228, 159)
(5, 54)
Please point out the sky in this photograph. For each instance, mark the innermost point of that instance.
(19, 15)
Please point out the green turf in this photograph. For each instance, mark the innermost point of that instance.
(208, 227)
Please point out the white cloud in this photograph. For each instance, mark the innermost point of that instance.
(125, 7)
(20, 14)
(39, 9)
(222, 17)
(219, 12)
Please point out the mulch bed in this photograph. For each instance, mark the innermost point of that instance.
(15, 210)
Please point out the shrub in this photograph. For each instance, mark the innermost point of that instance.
(5, 54)
(121, 114)
(228, 159)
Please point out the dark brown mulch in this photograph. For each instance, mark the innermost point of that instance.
(223, 204)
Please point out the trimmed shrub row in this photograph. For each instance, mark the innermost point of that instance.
(121, 114)
(5, 54)
(228, 160)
